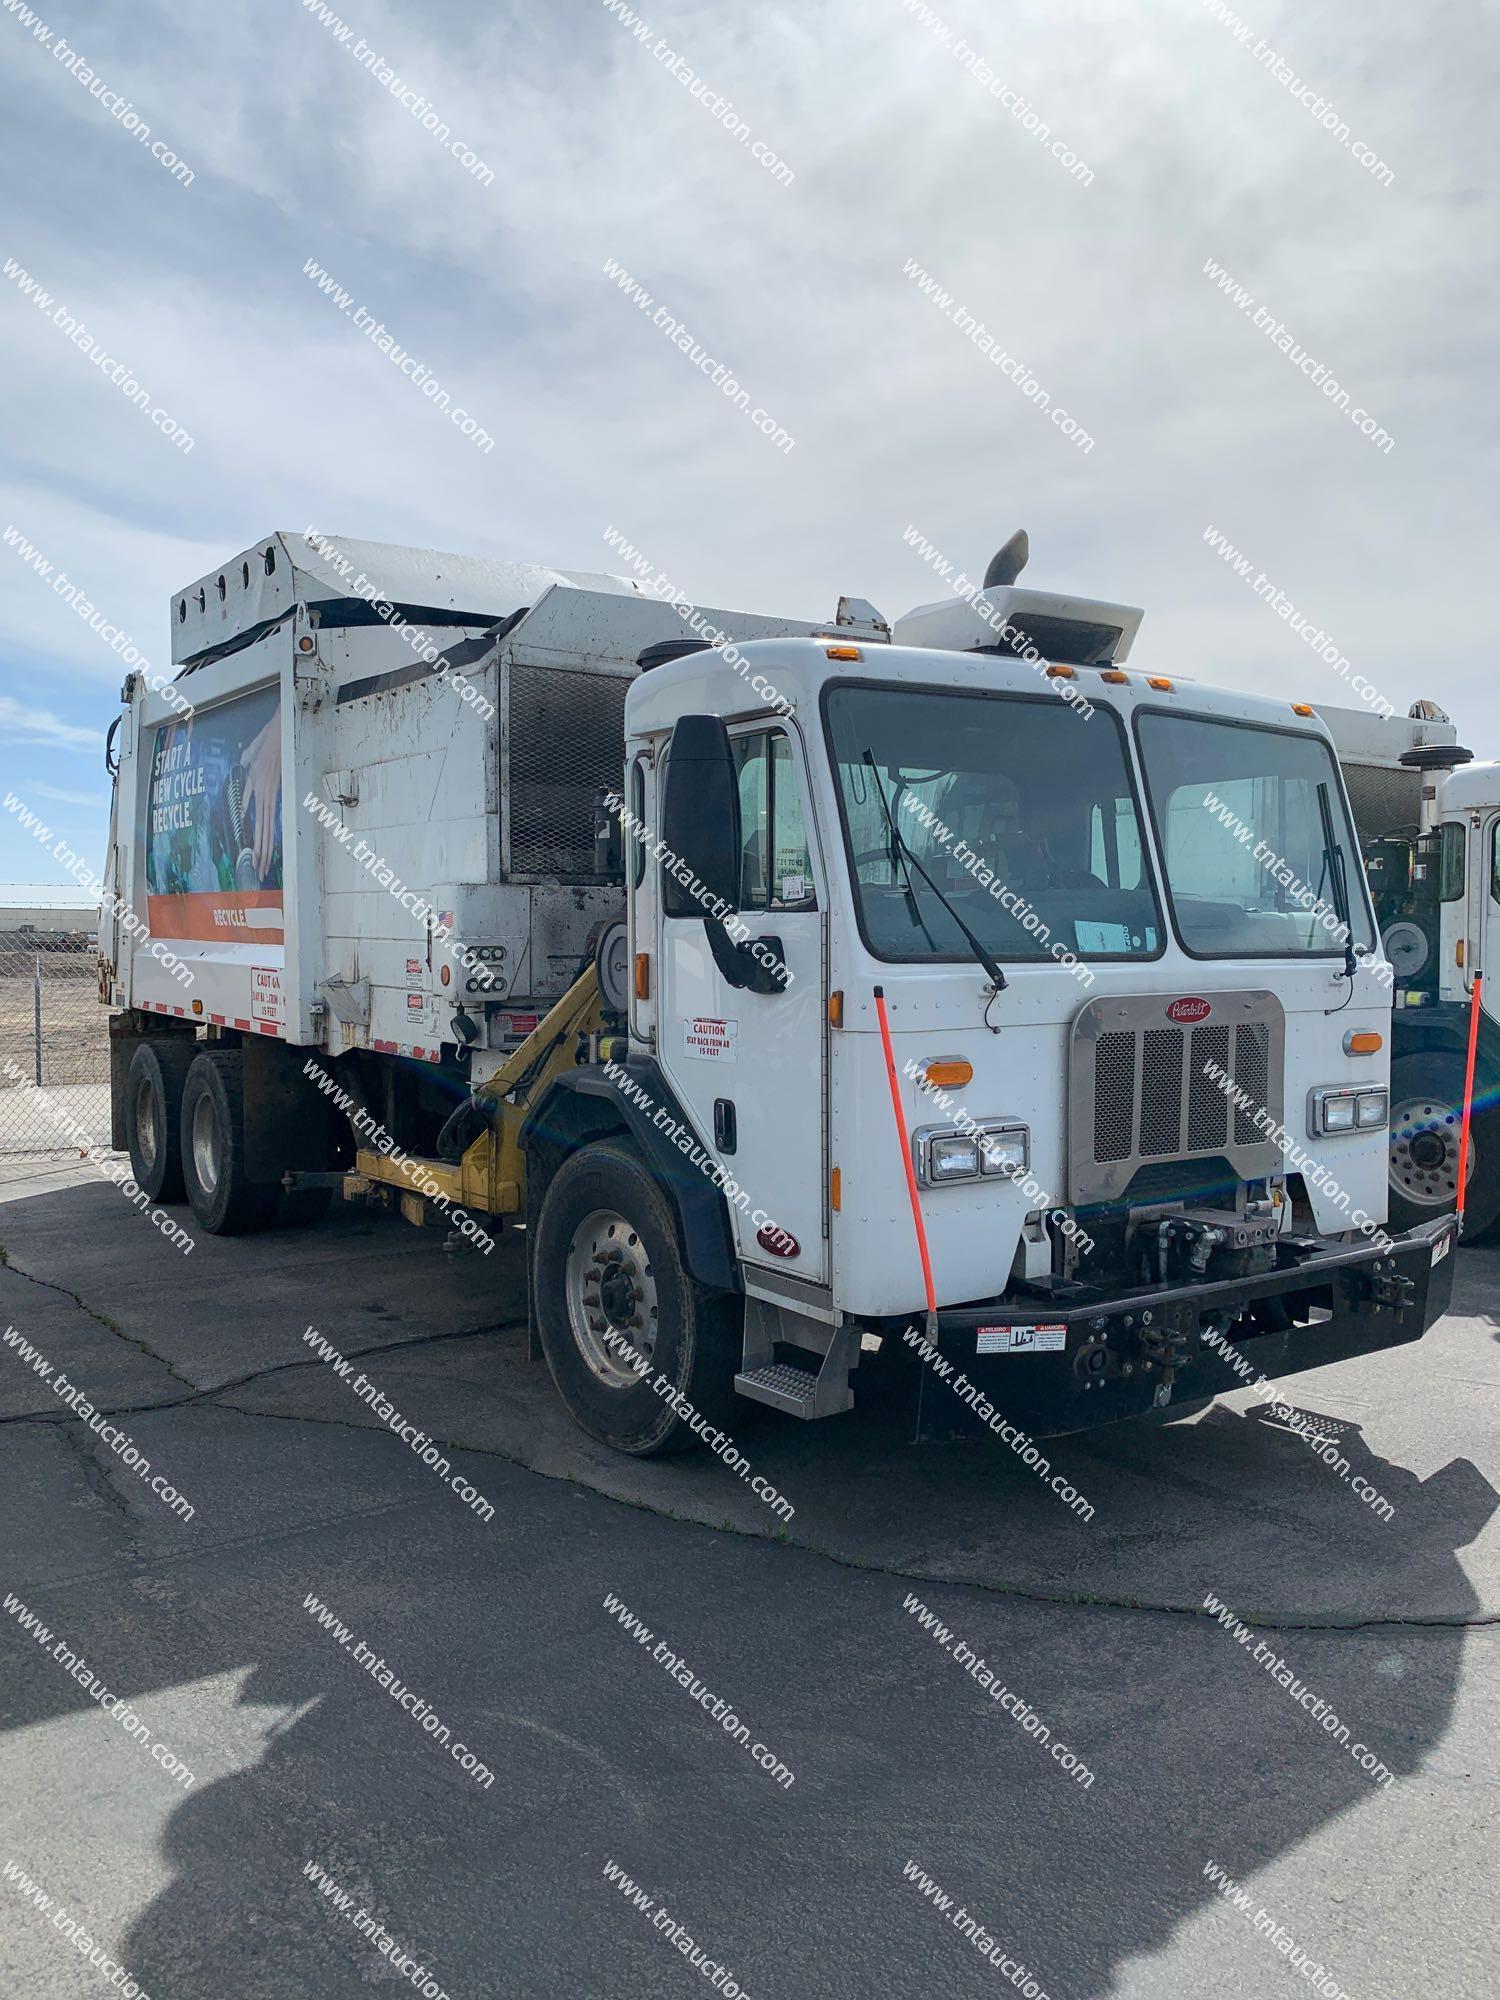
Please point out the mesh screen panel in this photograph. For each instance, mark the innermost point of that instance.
(1114, 1097)
(1161, 1091)
(566, 738)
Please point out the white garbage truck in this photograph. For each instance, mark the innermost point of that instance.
(1428, 817)
(790, 988)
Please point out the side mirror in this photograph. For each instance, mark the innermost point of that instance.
(700, 820)
(700, 828)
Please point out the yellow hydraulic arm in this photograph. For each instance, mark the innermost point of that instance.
(491, 1176)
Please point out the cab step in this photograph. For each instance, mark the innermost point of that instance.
(794, 1390)
(823, 1391)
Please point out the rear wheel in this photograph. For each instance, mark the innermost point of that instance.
(1427, 1094)
(153, 1113)
(621, 1318)
(222, 1195)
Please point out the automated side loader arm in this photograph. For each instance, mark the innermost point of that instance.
(491, 1176)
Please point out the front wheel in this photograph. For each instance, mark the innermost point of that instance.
(1427, 1096)
(623, 1323)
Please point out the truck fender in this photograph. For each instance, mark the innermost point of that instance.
(582, 1105)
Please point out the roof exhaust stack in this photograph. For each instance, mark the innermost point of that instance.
(1008, 561)
(1002, 617)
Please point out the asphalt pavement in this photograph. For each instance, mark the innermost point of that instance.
(392, 1727)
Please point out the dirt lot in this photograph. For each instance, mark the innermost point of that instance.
(75, 1035)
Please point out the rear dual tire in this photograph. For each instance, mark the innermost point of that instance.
(185, 1132)
(220, 1191)
(154, 1085)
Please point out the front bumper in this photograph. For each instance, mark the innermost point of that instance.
(1053, 1366)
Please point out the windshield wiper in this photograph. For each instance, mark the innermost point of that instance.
(901, 847)
(1338, 880)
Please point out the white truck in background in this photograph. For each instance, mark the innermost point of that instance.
(1428, 818)
(997, 1045)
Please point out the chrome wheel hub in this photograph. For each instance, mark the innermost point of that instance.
(1424, 1151)
(147, 1128)
(205, 1143)
(611, 1295)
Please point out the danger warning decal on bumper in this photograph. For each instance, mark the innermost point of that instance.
(1029, 1339)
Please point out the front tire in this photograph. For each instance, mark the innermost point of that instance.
(608, 1263)
(153, 1114)
(1427, 1095)
(220, 1192)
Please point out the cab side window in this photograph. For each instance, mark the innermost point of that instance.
(775, 863)
(1451, 865)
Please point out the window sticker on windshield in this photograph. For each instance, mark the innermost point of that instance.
(793, 888)
(1101, 937)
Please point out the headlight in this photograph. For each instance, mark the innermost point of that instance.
(1372, 1108)
(1005, 1150)
(954, 1159)
(1334, 1109)
(942, 1154)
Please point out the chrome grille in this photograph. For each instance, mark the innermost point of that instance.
(1208, 1103)
(1252, 1054)
(1161, 1093)
(1116, 1095)
(1139, 1091)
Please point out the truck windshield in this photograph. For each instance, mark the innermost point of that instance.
(1240, 830)
(1020, 810)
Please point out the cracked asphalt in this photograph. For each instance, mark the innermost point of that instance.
(299, 1756)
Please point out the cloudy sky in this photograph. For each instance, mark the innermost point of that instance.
(898, 152)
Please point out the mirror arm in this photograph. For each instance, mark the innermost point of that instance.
(739, 965)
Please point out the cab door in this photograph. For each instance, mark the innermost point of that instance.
(749, 1067)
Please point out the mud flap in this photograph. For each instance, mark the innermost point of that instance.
(288, 1120)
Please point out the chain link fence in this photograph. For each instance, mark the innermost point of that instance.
(54, 1043)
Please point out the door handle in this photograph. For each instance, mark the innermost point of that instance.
(726, 1134)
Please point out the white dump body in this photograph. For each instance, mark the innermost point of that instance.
(333, 782)
(1386, 796)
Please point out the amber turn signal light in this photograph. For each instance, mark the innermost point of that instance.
(949, 1074)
